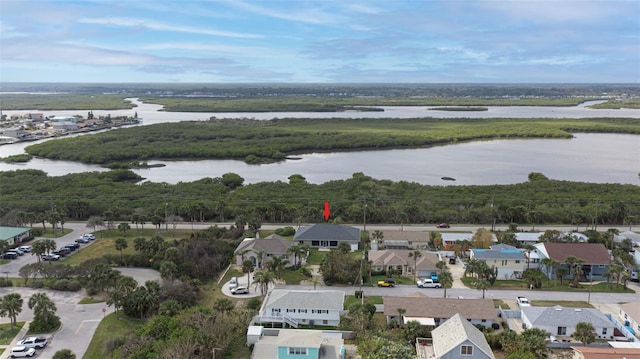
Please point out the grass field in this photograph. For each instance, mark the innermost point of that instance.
(7, 334)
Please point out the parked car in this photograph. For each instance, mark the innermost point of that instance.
(18, 252)
(82, 240)
(72, 246)
(89, 236)
(443, 225)
(33, 342)
(386, 283)
(25, 249)
(428, 283)
(240, 290)
(22, 352)
(50, 257)
(62, 252)
(523, 302)
(9, 255)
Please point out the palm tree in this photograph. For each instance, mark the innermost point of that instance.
(446, 280)
(264, 279)
(121, 245)
(401, 312)
(44, 308)
(124, 227)
(547, 263)
(571, 261)
(416, 254)
(38, 249)
(562, 272)
(483, 285)
(11, 306)
(585, 332)
(248, 267)
(529, 247)
(223, 305)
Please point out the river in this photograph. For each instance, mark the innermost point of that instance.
(596, 158)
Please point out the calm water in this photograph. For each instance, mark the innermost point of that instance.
(598, 158)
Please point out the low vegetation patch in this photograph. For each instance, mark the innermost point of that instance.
(564, 303)
(7, 334)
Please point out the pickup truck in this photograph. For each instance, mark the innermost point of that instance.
(523, 302)
(428, 283)
(33, 342)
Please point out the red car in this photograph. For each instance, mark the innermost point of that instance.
(443, 225)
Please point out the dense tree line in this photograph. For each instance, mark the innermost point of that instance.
(267, 141)
(28, 197)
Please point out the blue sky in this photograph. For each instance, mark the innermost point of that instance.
(320, 41)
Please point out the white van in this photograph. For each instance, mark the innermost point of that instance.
(233, 283)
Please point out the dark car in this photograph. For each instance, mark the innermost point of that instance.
(443, 225)
(72, 246)
(82, 240)
(62, 251)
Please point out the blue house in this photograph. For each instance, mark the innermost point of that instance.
(297, 344)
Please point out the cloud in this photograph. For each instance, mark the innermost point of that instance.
(158, 26)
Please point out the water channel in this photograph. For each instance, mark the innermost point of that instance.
(597, 158)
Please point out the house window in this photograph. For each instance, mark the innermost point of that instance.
(291, 310)
(604, 331)
(275, 310)
(466, 350)
(297, 351)
(325, 322)
(517, 261)
(333, 243)
(315, 243)
(562, 331)
(302, 310)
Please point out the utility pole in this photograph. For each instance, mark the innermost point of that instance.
(364, 218)
(493, 217)
(166, 224)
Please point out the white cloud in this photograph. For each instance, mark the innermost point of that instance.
(158, 26)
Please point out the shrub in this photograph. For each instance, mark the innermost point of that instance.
(66, 285)
(37, 284)
(286, 231)
(92, 289)
(254, 303)
(4, 282)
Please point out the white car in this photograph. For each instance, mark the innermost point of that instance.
(25, 249)
(240, 290)
(89, 236)
(22, 352)
(523, 302)
(33, 342)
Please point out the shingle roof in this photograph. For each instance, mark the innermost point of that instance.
(411, 236)
(607, 353)
(559, 316)
(590, 253)
(421, 306)
(325, 231)
(273, 245)
(306, 299)
(456, 331)
(632, 309)
(389, 257)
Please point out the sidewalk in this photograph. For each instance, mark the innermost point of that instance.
(21, 334)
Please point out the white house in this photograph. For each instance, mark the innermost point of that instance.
(561, 322)
(528, 237)
(306, 307)
(630, 312)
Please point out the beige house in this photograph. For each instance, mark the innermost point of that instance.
(399, 260)
(402, 240)
(261, 250)
(509, 262)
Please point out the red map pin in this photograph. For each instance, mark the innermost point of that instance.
(326, 211)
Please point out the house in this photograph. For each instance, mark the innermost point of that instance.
(435, 311)
(509, 262)
(317, 307)
(561, 322)
(585, 352)
(261, 250)
(295, 343)
(595, 258)
(457, 338)
(528, 237)
(399, 260)
(450, 238)
(630, 313)
(325, 235)
(393, 239)
(15, 235)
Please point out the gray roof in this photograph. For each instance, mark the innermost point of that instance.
(513, 254)
(559, 316)
(456, 331)
(273, 244)
(306, 299)
(528, 236)
(325, 231)
(501, 246)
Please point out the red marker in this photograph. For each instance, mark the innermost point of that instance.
(326, 211)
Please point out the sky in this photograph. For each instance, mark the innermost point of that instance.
(320, 41)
